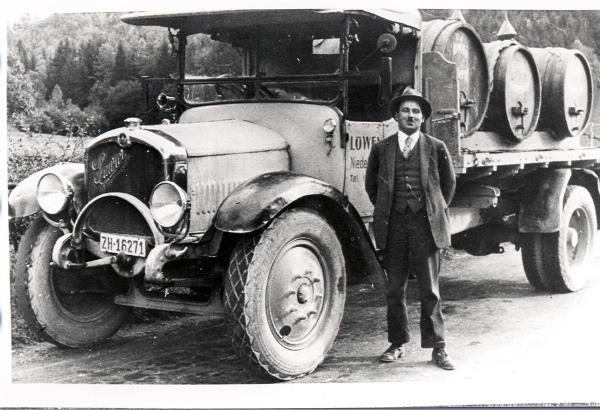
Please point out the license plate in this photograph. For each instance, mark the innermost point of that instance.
(129, 245)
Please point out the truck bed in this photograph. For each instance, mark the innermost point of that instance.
(486, 152)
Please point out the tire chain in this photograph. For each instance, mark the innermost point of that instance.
(235, 301)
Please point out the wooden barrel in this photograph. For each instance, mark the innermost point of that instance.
(567, 91)
(458, 42)
(515, 100)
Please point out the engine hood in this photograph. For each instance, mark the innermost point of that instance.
(200, 139)
(221, 137)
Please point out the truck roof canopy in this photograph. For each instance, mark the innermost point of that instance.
(210, 21)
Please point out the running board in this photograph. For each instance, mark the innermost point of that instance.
(172, 303)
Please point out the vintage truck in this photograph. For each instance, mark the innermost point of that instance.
(248, 199)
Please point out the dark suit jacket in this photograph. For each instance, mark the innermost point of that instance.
(437, 179)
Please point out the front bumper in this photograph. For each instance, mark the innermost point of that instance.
(66, 248)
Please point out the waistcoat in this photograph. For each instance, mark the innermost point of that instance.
(408, 191)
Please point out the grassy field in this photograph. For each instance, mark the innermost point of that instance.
(30, 153)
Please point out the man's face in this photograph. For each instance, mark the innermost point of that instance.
(409, 116)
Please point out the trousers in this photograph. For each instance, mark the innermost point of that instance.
(411, 248)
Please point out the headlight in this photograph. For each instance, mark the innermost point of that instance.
(168, 204)
(53, 193)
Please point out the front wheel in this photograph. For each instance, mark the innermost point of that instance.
(54, 303)
(285, 294)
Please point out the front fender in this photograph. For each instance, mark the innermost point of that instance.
(22, 200)
(256, 202)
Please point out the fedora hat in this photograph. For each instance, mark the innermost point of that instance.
(409, 93)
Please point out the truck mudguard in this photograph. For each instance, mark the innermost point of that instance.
(22, 200)
(589, 180)
(256, 202)
(541, 201)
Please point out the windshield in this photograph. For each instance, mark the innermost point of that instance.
(297, 67)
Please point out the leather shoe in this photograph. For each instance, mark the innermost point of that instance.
(440, 359)
(393, 353)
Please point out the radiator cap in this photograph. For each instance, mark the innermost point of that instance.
(133, 123)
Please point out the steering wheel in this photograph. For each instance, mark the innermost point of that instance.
(264, 91)
(235, 89)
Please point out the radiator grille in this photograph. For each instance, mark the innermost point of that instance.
(134, 170)
(114, 215)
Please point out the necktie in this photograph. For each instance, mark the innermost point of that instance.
(407, 147)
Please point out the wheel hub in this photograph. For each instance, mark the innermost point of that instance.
(573, 237)
(305, 293)
(577, 236)
(295, 293)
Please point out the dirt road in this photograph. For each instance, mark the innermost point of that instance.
(498, 328)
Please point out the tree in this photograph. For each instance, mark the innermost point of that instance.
(20, 94)
(23, 57)
(32, 63)
(123, 69)
(85, 78)
(62, 69)
(56, 97)
(123, 100)
(104, 62)
(165, 63)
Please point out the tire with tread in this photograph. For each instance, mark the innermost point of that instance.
(48, 313)
(562, 271)
(558, 261)
(533, 257)
(256, 312)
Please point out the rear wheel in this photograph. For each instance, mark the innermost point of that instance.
(532, 256)
(560, 261)
(568, 252)
(51, 301)
(285, 294)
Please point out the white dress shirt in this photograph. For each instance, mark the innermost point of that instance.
(413, 139)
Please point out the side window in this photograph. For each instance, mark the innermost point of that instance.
(210, 58)
(298, 55)
(363, 103)
(287, 55)
(363, 90)
(207, 58)
(365, 65)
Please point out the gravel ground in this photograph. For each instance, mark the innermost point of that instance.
(499, 328)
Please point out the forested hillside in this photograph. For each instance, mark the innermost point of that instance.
(79, 73)
(80, 70)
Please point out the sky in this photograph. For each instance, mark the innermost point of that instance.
(44, 8)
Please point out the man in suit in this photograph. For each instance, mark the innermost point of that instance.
(411, 181)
